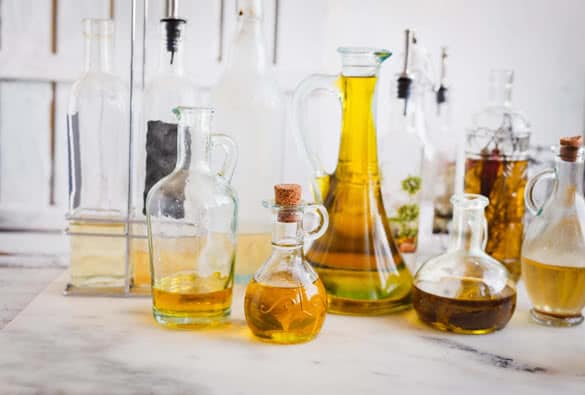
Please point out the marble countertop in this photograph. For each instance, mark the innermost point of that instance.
(77, 345)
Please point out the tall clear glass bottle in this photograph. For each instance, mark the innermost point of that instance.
(155, 142)
(553, 252)
(250, 107)
(98, 131)
(192, 220)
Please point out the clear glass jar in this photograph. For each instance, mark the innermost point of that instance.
(250, 107)
(286, 301)
(155, 141)
(465, 290)
(496, 166)
(553, 263)
(191, 218)
(98, 144)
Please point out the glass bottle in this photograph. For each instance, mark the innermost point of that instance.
(465, 290)
(156, 140)
(98, 137)
(250, 107)
(553, 253)
(191, 221)
(356, 258)
(496, 165)
(285, 301)
(405, 146)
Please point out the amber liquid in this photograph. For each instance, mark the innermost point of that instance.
(503, 182)
(356, 258)
(473, 311)
(186, 299)
(555, 291)
(285, 314)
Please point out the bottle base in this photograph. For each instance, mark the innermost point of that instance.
(555, 320)
(191, 321)
(461, 331)
(344, 306)
(284, 338)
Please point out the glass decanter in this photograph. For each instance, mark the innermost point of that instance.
(191, 221)
(98, 139)
(155, 153)
(286, 301)
(496, 167)
(553, 253)
(356, 258)
(250, 107)
(465, 290)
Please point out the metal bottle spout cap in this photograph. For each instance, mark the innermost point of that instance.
(172, 9)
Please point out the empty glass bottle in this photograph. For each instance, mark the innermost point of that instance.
(286, 301)
(553, 253)
(356, 258)
(465, 290)
(191, 221)
(98, 140)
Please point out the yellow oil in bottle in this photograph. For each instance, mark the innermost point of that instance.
(468, 308)
(556, 291)
(187, 299)
(356, 258)
(285, 313)
(503, 182)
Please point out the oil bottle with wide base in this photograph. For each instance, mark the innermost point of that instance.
(465, 290)
(553, 253)
(286, 301)
(356, 258)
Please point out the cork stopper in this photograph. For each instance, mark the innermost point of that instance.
(570, 147)
(288, 196)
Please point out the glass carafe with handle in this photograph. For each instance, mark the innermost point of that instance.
(356, 258)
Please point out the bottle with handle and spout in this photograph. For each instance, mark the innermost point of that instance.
(357, 259)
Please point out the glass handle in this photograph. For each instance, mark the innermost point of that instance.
(320, 212)
(314, 83)
(230, 149)
(534, 208)
(485, 234)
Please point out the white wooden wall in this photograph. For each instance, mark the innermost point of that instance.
(541, 39)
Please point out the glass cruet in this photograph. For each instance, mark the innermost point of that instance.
(191, 222)
(553, 253)
(286, 301)
(356, 258)
(465, 290)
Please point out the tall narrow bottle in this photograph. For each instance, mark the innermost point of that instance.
(249, 106)
(98, 131)
(156, 138)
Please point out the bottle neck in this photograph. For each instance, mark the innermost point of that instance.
(193, 149)
(569, 179)
(500, 92)
(468, 229)
(248, 49)
(98, 53)
(287, 232)
(171, 58)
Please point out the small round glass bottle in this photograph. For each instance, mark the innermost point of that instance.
(465, 290)
(286, 301)
(191, 221)
(553, 253)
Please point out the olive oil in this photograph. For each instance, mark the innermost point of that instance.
(555, 291)
(356, 258)
(186, 299)
(463, 306)
(285, 313)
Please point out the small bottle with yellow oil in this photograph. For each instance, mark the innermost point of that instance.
(286, 301)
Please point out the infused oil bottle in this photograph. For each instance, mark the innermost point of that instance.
(285, 301)
(356, 258)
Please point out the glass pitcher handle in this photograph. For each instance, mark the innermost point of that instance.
(230, 149)
(530, 186)
(313, 83)
(320, 212)
(485, 234)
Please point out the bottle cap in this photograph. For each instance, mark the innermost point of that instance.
(287, 194)
(570, 147)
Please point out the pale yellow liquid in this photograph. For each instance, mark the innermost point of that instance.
(97, 262)
(186, 299)
(140, 261)
(558, 291)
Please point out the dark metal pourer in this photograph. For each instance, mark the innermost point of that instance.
(404, 78)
